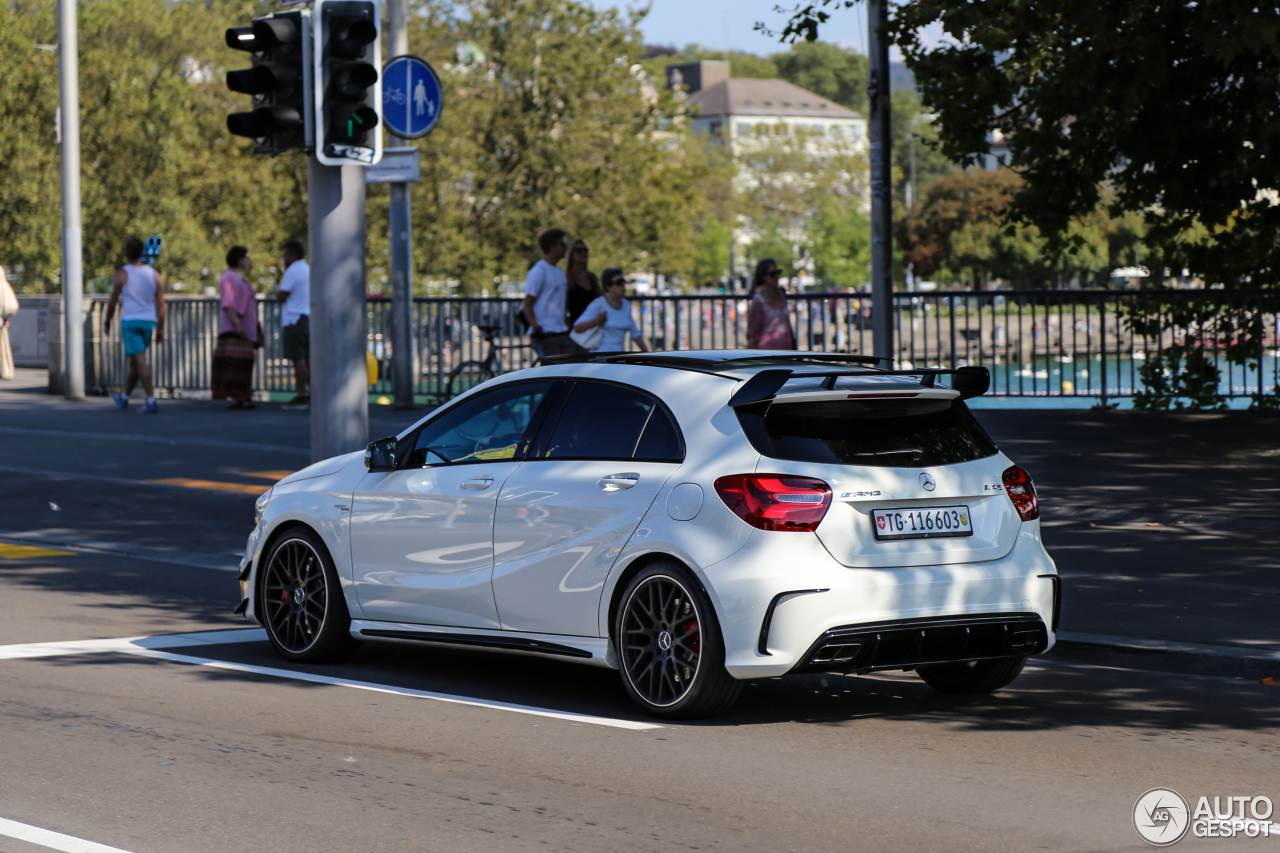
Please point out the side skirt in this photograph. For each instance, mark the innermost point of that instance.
(588, 650)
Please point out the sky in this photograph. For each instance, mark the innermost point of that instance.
(715, 23)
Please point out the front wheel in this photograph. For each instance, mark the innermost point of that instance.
(974, 676)
(670, 651)
(301, 605)
(466, 376)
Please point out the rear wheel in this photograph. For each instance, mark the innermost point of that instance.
(301, 604)
(974, 676)
(670, 651)
(466, 376)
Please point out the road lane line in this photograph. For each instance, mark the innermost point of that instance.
(152, 647)
(17, 552)
(52, 539)
(214, 485)
(53, 840)
(101, 478)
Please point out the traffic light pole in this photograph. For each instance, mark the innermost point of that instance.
(401, 243)
(881, 182)
(339, 336)
(72, 250)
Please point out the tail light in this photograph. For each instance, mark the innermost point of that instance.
(1018, 485)
(776, 501)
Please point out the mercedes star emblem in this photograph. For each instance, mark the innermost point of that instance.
(928, 482)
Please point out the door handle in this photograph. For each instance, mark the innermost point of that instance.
(614, 482)
(477, 483)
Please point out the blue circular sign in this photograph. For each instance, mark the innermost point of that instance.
(412, 98)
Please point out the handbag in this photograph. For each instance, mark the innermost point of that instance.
(591, 339)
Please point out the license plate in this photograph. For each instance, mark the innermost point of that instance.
(923, 522)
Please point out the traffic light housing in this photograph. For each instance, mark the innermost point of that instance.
(348, 84)
(279, 81)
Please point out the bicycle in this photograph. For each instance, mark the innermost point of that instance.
(469, 374)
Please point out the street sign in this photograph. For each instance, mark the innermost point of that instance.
(398, 166)
(412, 98)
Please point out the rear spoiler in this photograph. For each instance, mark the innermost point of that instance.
(970, 381)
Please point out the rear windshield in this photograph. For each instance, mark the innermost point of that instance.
(884, 433)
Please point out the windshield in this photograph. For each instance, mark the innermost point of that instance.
(884, 433)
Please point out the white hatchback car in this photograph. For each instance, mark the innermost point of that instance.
(692, 520)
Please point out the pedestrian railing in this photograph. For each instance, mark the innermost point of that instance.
(1097, 344)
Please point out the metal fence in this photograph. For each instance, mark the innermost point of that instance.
(1097, 344)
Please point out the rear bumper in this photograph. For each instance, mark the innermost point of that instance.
(919, 642)
(809, 598)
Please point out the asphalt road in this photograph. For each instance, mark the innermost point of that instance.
(225, 747)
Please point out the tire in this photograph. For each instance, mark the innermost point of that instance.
(466, 376)
(980, 676)
(687, 678)
(302, 606)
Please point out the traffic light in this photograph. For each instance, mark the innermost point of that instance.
(348, 85)
(279, 81)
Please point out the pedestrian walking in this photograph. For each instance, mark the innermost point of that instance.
(768, 321)
(611, 315)
(139, 291)
(584, 287)
(8, 308)
(237, 333)
(544, 297)
(295, 319)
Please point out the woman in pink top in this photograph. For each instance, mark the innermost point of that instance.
(237, 333)
(768, 323)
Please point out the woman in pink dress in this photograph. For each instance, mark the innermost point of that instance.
(237, 333)
(768, 322)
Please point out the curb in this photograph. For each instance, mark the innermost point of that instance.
(1166, 655)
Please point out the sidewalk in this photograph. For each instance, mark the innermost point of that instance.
(1165, 527)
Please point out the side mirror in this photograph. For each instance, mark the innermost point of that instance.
(380, 455)
(971, 381)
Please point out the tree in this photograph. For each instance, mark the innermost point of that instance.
(1169, 109)
(741, 64)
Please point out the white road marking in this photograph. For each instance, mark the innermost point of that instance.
(151, 647)
(53, 840)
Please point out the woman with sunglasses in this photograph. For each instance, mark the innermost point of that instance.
(768, 321)
(612, 312)
(584, 287)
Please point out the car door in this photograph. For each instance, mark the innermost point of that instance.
(422, 535)
(566, 512)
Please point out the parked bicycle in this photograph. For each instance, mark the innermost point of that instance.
(469, 374)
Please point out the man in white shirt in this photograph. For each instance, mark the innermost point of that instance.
(544, 292)
(295, 318)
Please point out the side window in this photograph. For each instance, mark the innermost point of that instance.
(600, 421)
(485, 428)
(661, 440)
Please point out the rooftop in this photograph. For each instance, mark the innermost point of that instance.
(745, 96)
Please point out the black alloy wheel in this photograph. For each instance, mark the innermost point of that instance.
(974, 676)
(301, 603)
(669, 646)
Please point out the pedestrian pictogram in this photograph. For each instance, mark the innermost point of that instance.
(412, 98)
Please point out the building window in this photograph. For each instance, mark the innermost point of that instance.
(744, 128)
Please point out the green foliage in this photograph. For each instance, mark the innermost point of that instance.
(841, 245)
(915, 139)
(1179, 377)
(740, 64)
(712, 259)
(156, 157)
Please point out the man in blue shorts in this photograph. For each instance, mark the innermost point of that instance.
(140, 293)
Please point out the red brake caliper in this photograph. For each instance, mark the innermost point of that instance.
(696, 640)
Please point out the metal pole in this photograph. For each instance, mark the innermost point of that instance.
(72, 249)
(339, 335)
(881, 199)
(401, 243)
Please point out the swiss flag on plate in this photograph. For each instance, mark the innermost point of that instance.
(880, 522)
